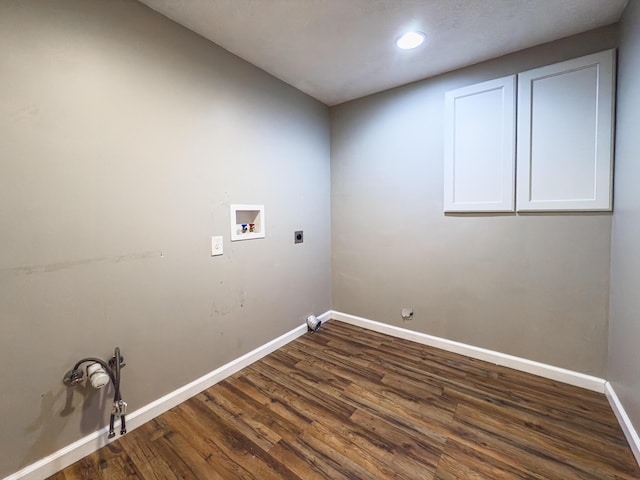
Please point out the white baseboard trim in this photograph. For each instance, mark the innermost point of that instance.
(325, 316)
(517, 363)
(76, 451)
(624, 421)
(72, 453)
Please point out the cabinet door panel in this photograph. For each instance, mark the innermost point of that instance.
(479, 165)
(565, 132)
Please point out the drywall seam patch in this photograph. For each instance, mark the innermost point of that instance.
(517, 363)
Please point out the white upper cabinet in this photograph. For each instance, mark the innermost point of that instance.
(479, 168)
(565, 135)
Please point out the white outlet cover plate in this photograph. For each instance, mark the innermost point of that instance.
(216, 246)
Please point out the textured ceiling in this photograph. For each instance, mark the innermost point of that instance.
(338, 50)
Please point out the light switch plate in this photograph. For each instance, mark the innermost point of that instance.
(216, 246)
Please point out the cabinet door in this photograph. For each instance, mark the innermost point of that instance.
(565, 135)
(479, 168)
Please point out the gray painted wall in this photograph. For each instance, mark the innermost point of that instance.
(534, 286)
(624, 328)
(124, 140)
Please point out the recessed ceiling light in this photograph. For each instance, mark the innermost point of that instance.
(410, 40)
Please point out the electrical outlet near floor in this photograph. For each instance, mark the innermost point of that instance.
(407, 313)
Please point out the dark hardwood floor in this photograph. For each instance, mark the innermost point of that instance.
(347, 403)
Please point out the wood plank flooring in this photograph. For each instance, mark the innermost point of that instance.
(347, 403)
